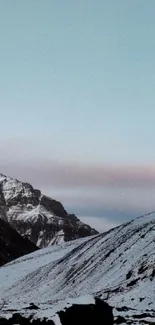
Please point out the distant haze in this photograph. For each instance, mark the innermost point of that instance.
(77, 103)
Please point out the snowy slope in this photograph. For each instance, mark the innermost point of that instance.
(118, 265)
(41, 219)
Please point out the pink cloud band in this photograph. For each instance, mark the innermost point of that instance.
(66, 175)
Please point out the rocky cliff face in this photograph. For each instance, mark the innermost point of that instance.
(42, 220)
(12, 245)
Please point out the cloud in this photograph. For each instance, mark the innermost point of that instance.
(26, 160)
(45, 172)
(90, 189)
(115, 204)
(100, 224)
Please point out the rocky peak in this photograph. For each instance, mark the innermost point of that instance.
(43, 220)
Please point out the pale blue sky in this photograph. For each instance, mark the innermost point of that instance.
(77, 80)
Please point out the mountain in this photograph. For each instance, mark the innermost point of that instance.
(42, 220)
(118, 266)
(12, 245)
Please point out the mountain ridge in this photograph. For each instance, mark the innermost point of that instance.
(43, 220)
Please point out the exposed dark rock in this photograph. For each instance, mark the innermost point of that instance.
(153, 273)
(133, 282)
(98, 314)
(120, 320)
(12, 245)
(142, 268)
(123, 308)
(141, 299)
(143, 315)
(129, 274)
(54, 206)
(21, 320)
(32, 307)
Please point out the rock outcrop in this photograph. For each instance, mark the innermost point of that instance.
(12, 245)
(42, 220)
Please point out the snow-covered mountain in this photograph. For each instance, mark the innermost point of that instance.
(12, 245)
(41, 219)
(118, 266)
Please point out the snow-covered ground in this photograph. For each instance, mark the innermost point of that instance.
(118, 266)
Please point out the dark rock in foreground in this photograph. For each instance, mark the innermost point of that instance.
(12, 245)
(20, 320)
(99, 313)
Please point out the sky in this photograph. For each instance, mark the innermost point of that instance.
(77, 104)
